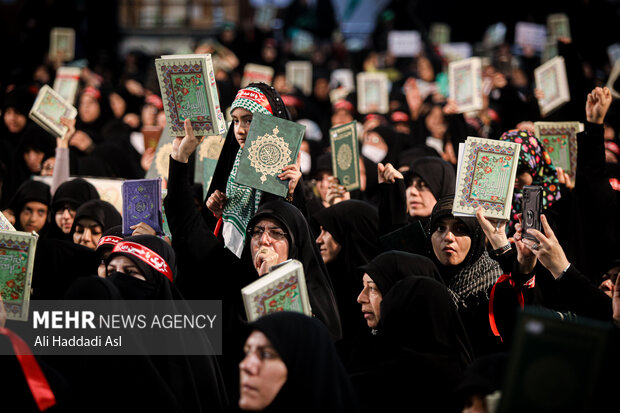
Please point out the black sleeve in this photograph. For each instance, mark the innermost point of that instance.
(392, 207)
(573, 293)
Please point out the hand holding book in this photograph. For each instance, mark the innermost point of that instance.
(183, 147)
(293, 174)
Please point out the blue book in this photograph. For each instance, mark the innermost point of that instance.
(142, 203)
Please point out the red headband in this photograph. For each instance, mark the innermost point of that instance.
(145, 255)
(108, 240)
(92, 92)
(256, 97)
(399, 116)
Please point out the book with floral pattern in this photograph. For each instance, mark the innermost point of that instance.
(486, 173)
(189, 91)
(17, 250)
(282, 289)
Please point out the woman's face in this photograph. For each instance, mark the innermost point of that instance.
(64, 218)
(33, 216)
(33, 160)
(370, 298)
(328, 246)
(89, 109)
(451, 241)
(262, 373)
(420, 199)
(268, 243)
(241, 119)
(435, 122)
(87, 233)
(15, 122)
(123, 264)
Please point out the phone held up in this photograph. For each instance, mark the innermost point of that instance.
(531, 205)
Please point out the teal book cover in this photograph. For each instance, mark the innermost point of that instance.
(272, 143)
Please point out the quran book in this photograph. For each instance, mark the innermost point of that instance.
(283, 289)
(142, 203)
(151, 136)
(47, 110)
(272, 143)
(439, 33)
(189, 91)
(342, 78)
(466, 83)
(67, 82)
(5, 224)
(558, 25)
(550, 77)
(530, 35)
(485, 177)
(404, 43)
(253, 73)
(62, 44)
(345, 155)
(161, 160)
(560, 141)
(207, 155)
(410, 238)
(372, 92)
(17, 250)
(299, 74)
(613, 77)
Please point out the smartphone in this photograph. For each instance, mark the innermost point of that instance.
(531, 206)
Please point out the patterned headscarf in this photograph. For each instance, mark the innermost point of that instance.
(533, 158)
(253, 100)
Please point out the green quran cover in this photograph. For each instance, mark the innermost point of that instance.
(188, 90)
(345, 155)
(272, 143)
(560, 141)
(17, 251)
(207, 155)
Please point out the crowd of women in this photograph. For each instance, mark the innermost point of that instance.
(427, 326)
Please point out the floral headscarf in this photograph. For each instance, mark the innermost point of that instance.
(533, 158)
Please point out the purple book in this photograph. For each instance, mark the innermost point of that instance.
(142, 203)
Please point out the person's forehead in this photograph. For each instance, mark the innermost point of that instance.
(87, 222)
(121, 260)
(367, 278)
(268, 222)
(240, 112)
(258, 338)
(35, 205)
(450, 220)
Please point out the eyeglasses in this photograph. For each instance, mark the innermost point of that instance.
(62, 210)
(419, 184)
(275, 234)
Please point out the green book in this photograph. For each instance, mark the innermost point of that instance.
(159, 166)
(345, 155)
(560, 141)
(188, 90)
(207, 154)
(17, 251)
(272, 143)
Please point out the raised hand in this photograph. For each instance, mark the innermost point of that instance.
(547, 250)
(183, 147)
(217, 202)
(388, 173)
(293, 174)
(597, 104)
